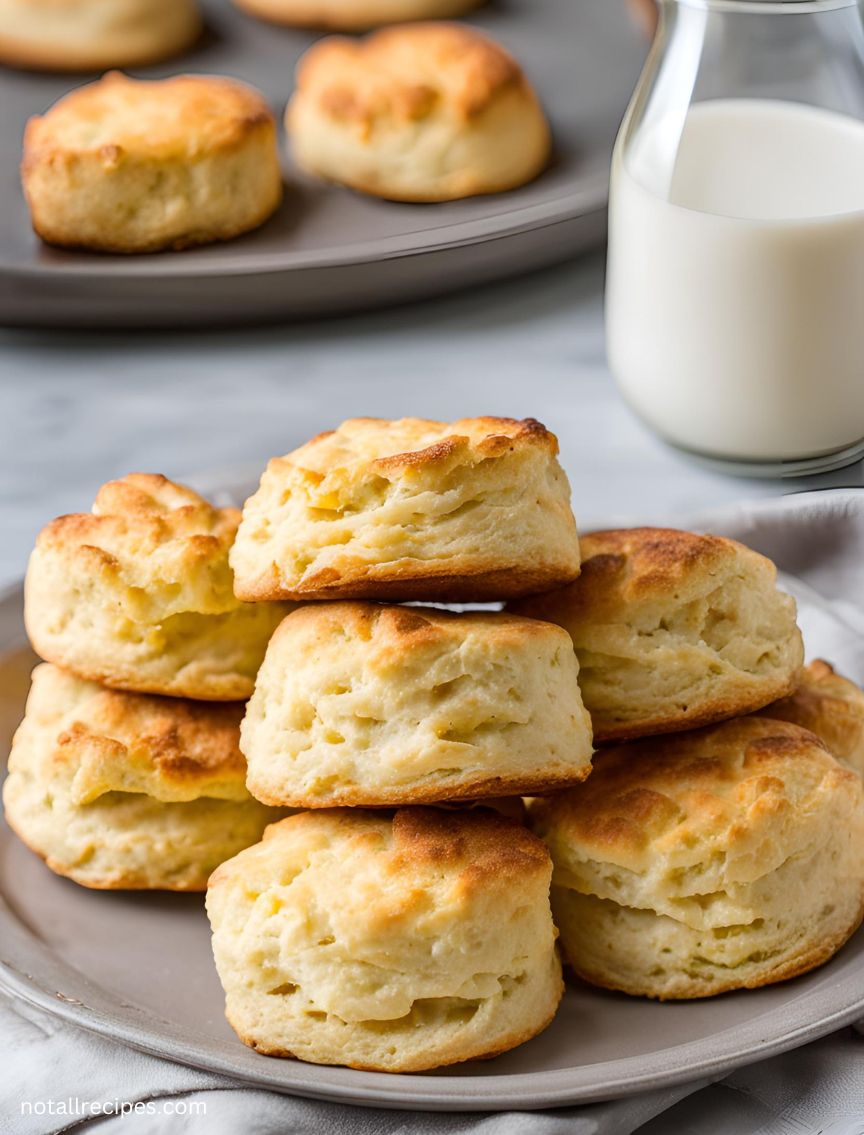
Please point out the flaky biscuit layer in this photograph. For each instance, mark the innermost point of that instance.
(691, 864)
(674, 630)
(476, 509)
(360, 703)
(396, 942)
(138, 595)
(119, 790)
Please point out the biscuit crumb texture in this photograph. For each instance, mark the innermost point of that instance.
(127, 165)
(118, 790)
(419, 112)
(727, 858)
(477, 509)
(138, 594)
(358, 703)
(395, 943)
(674, 630)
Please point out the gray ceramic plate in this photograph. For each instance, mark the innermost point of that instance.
(137, 968)
(328, 249)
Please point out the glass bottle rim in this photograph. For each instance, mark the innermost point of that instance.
(772, 7)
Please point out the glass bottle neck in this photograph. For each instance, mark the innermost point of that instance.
(741, 49)
(753, 68)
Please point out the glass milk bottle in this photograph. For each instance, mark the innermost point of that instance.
(735, 287)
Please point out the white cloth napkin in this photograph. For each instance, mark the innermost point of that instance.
(818, 541)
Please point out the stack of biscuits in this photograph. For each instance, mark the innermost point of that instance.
(718, 843)
(127, 771)
(405, 915)
(418, 936)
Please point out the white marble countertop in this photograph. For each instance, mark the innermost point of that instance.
(81, 408)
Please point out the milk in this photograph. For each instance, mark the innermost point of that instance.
(735, 291)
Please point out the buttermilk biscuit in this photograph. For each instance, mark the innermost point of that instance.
(92, 35)
(391, 942)
(121, 790)
(472, 510)
(830, 706)
(357, 703)
(674, 630)
(123, 165)
(727, 858)
(138, 595)
(354, 15)
(419, 112)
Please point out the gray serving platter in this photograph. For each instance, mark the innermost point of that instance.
(329, 250)
(137, 968)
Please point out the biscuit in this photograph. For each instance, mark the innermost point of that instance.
(138, 595)
(354, 15)
(674, 630)
(418, 112)
(118, 790)
(123, 165)
(391, 942)
(477, 509)
(727, 858)
(363, 704)
(94, 35)
(830, 706)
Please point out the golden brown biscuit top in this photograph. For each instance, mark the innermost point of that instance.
(628, 566)
(472, 849)
(391, 448)
(406, 73)
(831, 706)
(153, 536)
(642, 561)
(184, 116)
(732, 790)
(394, 631)
(169, 748)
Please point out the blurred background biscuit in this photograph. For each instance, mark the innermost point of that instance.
(358, 703)
(138, 594)
(727, 858)
(124, 165)
(477, 509)
(120, 790)
(397, 942)
(354, 15)
(95, 35)
(418, 112)
(674, 630)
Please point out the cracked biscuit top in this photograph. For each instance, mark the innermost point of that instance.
(410, 509)
(139, 594)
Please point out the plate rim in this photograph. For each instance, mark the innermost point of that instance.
(573, 205)
(525, 1091)
(29, 969)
